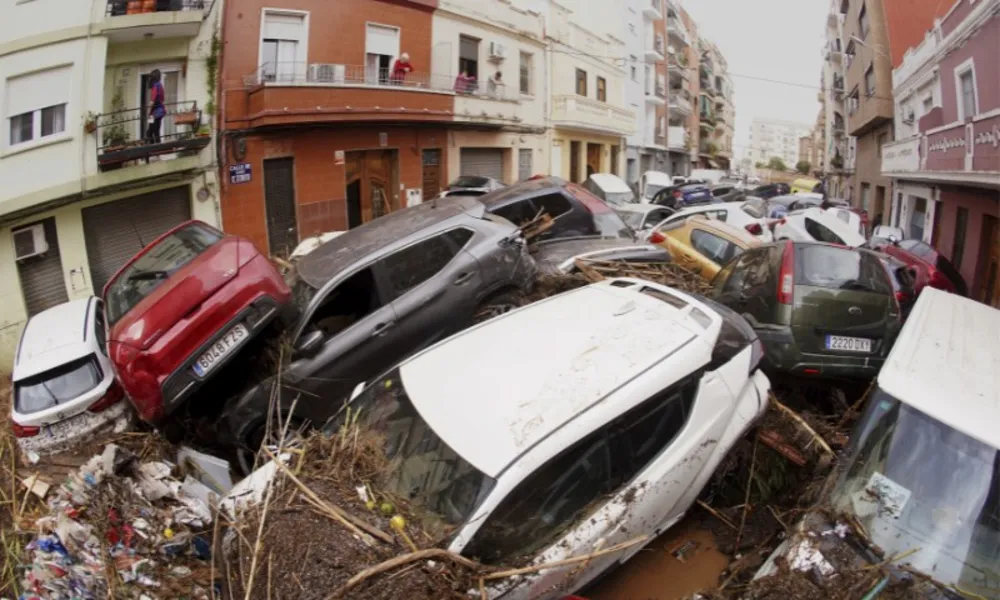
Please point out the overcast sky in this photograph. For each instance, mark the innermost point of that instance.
(769, 39)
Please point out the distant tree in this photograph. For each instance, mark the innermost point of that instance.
(777, 164)
(759, 165)
(803, 167)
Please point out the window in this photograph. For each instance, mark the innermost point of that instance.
(866, 192)
(99, 333)
(415, 264)
(821, 233)
(641, 434)
(460, 237)
(928, 104)
(36, 105)
(713, 247)
(863, 21)
(516, 212)
(635, 76)
(870, 81)
(840, 268)
(553, 205)
(57, 386)
(581, 82)
(602, 89)
(967, 93)
(919, 213)
(351, 301)
(283, 46)
(755, 208)
(527, 70)
(958, 246)
(853, 102)
(468, 56)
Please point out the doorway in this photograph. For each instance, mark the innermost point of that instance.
(878, 211)
(279, 205)
(989, 290)
(431, 176)
(614, 160)
(170, 77)
(593, 159)
(371, 185)
(574, 162)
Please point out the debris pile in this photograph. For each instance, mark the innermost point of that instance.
(591, 271)
(119, 527)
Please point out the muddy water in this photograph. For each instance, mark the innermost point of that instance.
(656, 574)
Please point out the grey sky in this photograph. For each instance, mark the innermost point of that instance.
(769, 39)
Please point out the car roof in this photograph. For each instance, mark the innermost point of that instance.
(946, 364)
(842, 229)
(55, 337)
(726, 230)
(494, 391)
(610, 183)
(635, 207)
(381, 234)
(511, 193)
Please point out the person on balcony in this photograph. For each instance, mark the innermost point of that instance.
(401, 67)
(157, 110)
(464, 84)
(495, 85)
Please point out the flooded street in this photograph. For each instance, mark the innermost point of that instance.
(657, 574)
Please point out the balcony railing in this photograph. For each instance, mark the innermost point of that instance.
(584, 112)
(117, 8)
(328, 74)
(124, 139)
(679, 103)
(676, 29)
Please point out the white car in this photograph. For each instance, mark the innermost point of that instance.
(850, 217)
(734, 213)
(816, 225)
(64, 389)
(575, 423)
(641, 217)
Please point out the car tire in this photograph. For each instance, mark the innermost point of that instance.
(498, 304)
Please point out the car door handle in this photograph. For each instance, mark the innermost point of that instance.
(464, 277)
(381, 328)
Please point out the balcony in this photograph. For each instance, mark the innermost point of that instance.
(656, 94)
(483, 102)
(834, 52)
(677, 32)
(579, 112)
(118, 145)
(708, 148)
(655, 48)
(130, 21)
(958, 153)
(295, 93)
(677, 138)
(869, 112)
(676, 65)
(678, 104)
(653, 9)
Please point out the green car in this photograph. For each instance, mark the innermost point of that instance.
(820, 310)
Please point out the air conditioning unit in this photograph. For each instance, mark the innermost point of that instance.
(29, 242)
(908, 115)
(326, 73)
(497, 50)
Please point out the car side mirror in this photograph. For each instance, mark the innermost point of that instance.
(309, 344)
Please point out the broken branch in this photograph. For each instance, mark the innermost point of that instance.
(399, 561)
(802, 423)
(717, 515)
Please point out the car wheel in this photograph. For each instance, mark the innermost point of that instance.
(257, 435)
(498, 304)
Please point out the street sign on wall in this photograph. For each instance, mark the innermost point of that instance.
(240, 173)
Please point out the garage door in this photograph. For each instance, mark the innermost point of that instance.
(116, 231)
(484, 162)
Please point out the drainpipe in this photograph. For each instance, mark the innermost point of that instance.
(86, 87)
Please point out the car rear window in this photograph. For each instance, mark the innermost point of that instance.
(919, 248)
(754, 208)
(156, 264)
(820, 232)
(840, 269)
(607, 222)
(57, 386)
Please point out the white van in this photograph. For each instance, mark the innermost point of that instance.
(654, 181)
(922, 475)
(712, 176)
(609, 188)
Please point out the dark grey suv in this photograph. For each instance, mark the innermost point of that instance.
(380, 292)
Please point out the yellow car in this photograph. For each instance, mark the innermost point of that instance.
(701, 244)
(805, 186)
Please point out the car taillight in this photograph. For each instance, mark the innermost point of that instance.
(24, 431)
(756, 355)
(114, 395)
(786, 277)
(656, 238)
(755, 229)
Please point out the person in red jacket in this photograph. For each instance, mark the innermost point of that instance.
(400, 69)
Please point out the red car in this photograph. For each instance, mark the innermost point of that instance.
(183, 307)
(937, 270)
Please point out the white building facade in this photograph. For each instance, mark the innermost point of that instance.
(773, 138)
(82, 182)
(646, 87)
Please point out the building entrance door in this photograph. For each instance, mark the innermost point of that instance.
(593, 159)
(431, 176)
(371, 185)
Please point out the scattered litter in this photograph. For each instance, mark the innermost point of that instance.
(684, 550)
(36, 486)
(804, 556)
(209, 470)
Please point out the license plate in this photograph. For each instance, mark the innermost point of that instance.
(848, 344)
(63, 428)
(222, 348)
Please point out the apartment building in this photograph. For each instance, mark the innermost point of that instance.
(715, 108)
(838, 148)
(945, 164)
(85, 183)
(683, 82)
(589, 116)
(771, 138)
(646, 87)
(876, 33)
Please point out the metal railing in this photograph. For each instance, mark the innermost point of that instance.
(679, 102)
(300, 73)
(125, 135)
(117, 8)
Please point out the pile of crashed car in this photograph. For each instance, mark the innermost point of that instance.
(576, 422)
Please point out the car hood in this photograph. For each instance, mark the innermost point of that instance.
(181, 294)
(551, 255)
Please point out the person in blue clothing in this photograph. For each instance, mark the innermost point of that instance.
(157, 110)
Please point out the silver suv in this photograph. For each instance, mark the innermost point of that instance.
(381, 292)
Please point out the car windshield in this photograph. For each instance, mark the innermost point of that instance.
(918, 485)
(632, 219)
(156, 264)
(422, 469)
(57, 386)
(832, 267)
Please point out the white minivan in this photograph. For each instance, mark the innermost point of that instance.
(575, 423)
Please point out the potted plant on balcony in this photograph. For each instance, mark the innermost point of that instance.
(116, 136)
(90, 122)
(837, 162)
(204, 131)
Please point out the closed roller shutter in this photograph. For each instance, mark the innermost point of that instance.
(42, 281)
(115, 231)
(484, 162)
